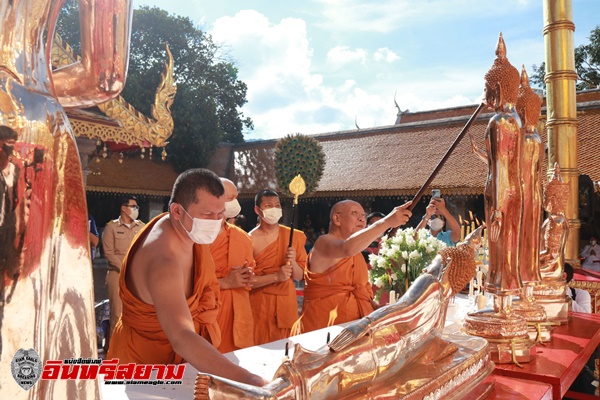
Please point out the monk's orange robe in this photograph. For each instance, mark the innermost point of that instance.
(232, 248)
(138, 336)
(344, 288)
(275, 307)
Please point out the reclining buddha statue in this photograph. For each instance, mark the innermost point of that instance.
(399, 350)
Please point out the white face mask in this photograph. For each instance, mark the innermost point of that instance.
(436, 224)
(232, 208)
(272, 215)
(204, 231)
(133, 214)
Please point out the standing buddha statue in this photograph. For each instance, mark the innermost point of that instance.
(506, 331)
(529, 106)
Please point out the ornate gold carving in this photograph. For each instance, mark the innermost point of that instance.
(137, 129)
(155, 131)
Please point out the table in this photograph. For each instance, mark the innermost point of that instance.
(504, 388)
(559, 362)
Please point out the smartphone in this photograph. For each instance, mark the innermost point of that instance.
(435, 193)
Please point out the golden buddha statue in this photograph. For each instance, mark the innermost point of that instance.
(551, 292)
(50, 308)
(397, 351)
(503, 191)
(529, 106)
(502, 327)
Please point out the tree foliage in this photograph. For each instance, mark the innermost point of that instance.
(209, 93)
(587, 65)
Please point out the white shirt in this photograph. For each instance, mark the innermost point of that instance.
(582, 302)
(592, 262)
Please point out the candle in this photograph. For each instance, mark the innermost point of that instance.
(479, 279)
(392, 296)
(472, 226)
(481, 300)
(462, 233)
(471, 285)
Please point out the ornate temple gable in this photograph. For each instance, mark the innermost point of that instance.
(128, 125)
(395, 160)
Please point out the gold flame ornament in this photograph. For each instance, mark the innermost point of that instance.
(297, 187)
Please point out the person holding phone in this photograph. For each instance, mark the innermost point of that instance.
(437, 217)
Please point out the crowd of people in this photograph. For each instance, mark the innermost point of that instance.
(192, 284)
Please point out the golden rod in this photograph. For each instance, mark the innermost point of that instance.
(561, 110)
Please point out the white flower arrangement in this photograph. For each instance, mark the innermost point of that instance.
(406, 248)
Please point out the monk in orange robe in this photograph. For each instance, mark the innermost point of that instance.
(337, 285)
(169, 288)
(273, 297)
(234, 260)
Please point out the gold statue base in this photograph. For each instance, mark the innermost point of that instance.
(512, 351)
(541, 332)
(506, 333)
(553, 297)
(538, 327)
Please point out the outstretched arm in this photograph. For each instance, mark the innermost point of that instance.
(100, 74)
(479, 153)
(165, 286)
(329, 247)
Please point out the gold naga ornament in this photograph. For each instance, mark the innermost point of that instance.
(397, 351)
(135, 128)
(46, 303)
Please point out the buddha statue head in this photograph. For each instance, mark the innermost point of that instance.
(502, 80)
(556, 195)
(529, 104)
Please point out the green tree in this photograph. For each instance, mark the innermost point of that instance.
(587, 65)
(209, 93)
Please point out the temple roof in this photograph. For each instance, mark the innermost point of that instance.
(133, 176)
(396, 160)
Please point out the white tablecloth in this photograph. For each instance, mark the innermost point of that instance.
(265, 359)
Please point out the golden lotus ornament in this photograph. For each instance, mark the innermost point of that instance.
(297, 187)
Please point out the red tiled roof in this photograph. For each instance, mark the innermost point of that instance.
(397, 159)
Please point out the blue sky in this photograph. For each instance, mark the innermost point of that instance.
(316, 66)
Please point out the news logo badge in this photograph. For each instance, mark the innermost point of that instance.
(26, 368)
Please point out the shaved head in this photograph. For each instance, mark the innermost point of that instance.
(347, 216)
(231, 191)
(342, 206)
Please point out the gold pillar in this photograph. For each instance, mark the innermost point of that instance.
(562, 108)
